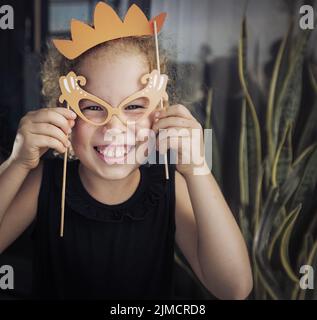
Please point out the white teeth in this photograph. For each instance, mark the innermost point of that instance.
(109, 153)
(115, 152)
(120, 151)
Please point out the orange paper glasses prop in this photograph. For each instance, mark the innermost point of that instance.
(108, 26)
(73, 94)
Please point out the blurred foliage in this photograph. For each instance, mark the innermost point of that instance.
(277, 166)
(278, 171)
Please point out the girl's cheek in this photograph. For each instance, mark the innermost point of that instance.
(80, 132)
(152, 116)
(82, 127)
(147, 122)
(74, 140)
(143, 130)
(76, 133)
(77, 124)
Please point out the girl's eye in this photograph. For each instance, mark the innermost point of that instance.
(133, 107)
(94, 108)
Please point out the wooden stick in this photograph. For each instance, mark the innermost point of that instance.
(63, 191)
(161, 101)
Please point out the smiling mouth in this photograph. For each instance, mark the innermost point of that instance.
(113, 153)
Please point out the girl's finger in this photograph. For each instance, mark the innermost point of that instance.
(174, 110)
(174, 132)
(174, 142)
(49, 142)
(67, 113)
(172, 122)
(50, 130)
(182, 147)
(53, 117)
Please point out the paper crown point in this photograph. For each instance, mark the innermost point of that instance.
(107, 26)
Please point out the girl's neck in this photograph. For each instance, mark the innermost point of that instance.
(103, 190)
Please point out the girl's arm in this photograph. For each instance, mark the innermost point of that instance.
(19, 189)
(206, 230)
(210, 239)
(21, 174)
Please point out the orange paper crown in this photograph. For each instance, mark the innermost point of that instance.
(107, 26)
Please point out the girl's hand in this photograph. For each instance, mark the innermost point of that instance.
(40, 130)
(184, 134)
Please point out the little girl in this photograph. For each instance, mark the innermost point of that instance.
(121, 220)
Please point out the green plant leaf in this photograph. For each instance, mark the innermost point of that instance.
(304, 156)
(272, 95)
(306, 135)
(283, 158)
(208, 109)
(308, 180)
(276, 234)
(243, 160)
(245, 228)
(251, 129)
(290, 96)
(288, 226)
(275, 201)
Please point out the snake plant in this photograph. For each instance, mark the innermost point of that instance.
(278, 172)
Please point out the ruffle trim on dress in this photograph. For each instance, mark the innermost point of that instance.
(145, 199)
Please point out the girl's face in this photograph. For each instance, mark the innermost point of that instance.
(103, 150)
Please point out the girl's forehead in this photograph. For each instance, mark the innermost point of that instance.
(114, 78)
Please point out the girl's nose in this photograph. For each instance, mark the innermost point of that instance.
(114, 125)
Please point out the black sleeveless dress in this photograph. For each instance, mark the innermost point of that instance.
(123, 251)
